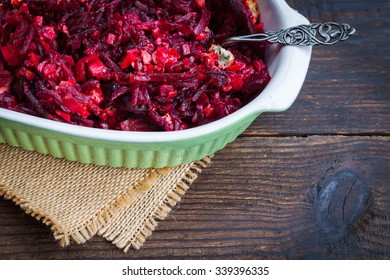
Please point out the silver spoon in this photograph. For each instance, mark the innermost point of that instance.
(327, 33)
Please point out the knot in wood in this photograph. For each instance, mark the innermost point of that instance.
(342, 199)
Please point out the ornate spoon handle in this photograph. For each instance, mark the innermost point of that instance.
(327, 33)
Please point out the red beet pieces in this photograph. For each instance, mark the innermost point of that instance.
(131, 65)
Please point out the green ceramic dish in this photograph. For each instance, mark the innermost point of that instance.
(288, 66)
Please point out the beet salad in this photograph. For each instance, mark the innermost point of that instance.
(133, 65)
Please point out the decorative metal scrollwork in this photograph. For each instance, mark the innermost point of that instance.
(327, 33)
(314, 34)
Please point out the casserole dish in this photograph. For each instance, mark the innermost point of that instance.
(287, 65)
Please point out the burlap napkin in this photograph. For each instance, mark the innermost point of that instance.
(78, 201)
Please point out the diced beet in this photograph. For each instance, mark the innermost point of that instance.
(49, 33)
(64, 115)
(11, 55)
(98, 69)
(33, 60)
(236, 81)
(208, 110)
(49, 69)
(131, 57)
(96, 95)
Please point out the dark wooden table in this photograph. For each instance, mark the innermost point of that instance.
(309, 183)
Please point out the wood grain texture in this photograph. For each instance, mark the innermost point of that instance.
(346, 90)
(260, 197)
(263, 209)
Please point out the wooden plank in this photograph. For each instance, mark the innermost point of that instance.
(347, 87)
(259, 199)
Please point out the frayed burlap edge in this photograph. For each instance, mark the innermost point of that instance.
(90, 228)
(162, 210)
(38, 214)
(103, 217)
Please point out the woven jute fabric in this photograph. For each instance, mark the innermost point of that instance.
(78, 200)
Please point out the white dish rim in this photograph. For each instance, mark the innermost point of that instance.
(288, 74)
